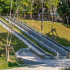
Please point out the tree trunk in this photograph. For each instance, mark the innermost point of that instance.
(31, 11)
(7, 54)
(17, 13)
(24, 16)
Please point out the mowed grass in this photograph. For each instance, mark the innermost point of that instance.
(62, 31)
(17, 44)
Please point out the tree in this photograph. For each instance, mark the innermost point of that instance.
(52, 6)
(22, 7)
(64, 10)
(31, 3)
(37, 8)
(4, 6)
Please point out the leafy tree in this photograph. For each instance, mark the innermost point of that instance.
(31, 3)
(37, 7)
(64, 10)
(21, 7)
(17, 6)
(24, 6)
(4, 6)
(52, 6)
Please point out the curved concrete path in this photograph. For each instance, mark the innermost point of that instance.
(41, 64)
(25, 54)
(36, 67)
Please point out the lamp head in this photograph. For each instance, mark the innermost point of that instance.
(42, 1)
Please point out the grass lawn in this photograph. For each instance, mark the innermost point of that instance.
(62, 31)
(17, 44)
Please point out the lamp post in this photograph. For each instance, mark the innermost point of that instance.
(42, 1)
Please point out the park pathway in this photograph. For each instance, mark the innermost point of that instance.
(36, 67)
(29, 58)
(39, 67)
(45, 64)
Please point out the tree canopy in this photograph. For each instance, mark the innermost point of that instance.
(34, 7)
(64, 10)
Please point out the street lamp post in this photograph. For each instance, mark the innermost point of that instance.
(42, 1)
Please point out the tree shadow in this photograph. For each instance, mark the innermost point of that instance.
(15, 41)
(3, 37)
(66, 25)
(13, 64)
(3, 42)
(52, 65)
(17, 44)
(65, 68)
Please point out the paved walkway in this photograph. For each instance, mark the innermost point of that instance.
(29, 57)
(36, 67)
(36, 63)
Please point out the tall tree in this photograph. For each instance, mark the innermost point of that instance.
(31, 3)
(52, 6)
(4, 6)
(24, 7)
(64, 10)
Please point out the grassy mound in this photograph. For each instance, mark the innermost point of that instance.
(17, 44)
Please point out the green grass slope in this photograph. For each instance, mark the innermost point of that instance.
(17, 44)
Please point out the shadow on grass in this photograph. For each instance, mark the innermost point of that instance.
(61, 41)
(13, 64)
(66, 25)
(17, 44)
(3, 37)
(64, 68)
